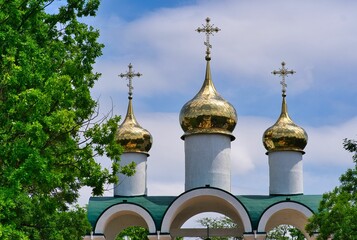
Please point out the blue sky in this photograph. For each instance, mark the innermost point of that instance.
(317, 39)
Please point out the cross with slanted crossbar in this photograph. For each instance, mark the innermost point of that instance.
(283, 72)
(209, 30)
(129, 75)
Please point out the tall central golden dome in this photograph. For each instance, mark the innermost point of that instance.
(208, 112)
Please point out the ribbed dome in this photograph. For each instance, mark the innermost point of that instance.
(285, 135)
(208, 112)
(131, 135)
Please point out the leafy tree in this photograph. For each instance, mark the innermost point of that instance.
(133, 233)
(282, 232)
(49, 133)
(285, 232)
(337, 213)
(218, 222)
(279, 233)
(296, 234)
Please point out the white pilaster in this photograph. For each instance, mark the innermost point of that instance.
(135, 185)
(285, 173)
(208, 161)
(94, 237)
(159, 237)
(254, 236)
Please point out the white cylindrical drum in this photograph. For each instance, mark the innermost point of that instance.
(207, 161)
(135, 185)
(285, 173)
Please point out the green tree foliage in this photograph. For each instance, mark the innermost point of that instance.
(296, 234)
(133, 233)
(337, 215)
(49, 133)
(218, 222)
(285, 232)
(281, 232)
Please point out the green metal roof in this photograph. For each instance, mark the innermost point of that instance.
(157, 205)
(257, 204)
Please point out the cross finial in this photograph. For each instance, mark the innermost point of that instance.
(209, 30)
(129, 75)
(283, 72)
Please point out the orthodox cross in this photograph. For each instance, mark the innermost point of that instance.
(129, 75)
(283, 72)
(209, 30)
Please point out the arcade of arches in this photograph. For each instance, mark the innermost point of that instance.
(164, 216)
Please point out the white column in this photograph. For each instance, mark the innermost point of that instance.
(285, 173)
(208, 161)
(135, 185)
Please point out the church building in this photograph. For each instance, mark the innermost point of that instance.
(207, 121)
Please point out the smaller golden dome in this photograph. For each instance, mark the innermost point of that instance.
(131, 135)
(208, 112)
(285, 135)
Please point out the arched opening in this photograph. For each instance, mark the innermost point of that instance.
(122, 221)
(285, 213)
(205, 200)
(121, 216)
(211, 225)
(287, 217)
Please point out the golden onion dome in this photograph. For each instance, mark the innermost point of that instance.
(208, 112)
(285, 135)
(131, 135)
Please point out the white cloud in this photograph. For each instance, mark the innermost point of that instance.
(325, 144)
(255, 38)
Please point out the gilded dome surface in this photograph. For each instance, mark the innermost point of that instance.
(285, 135)
(131, 135)
(208, 112)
